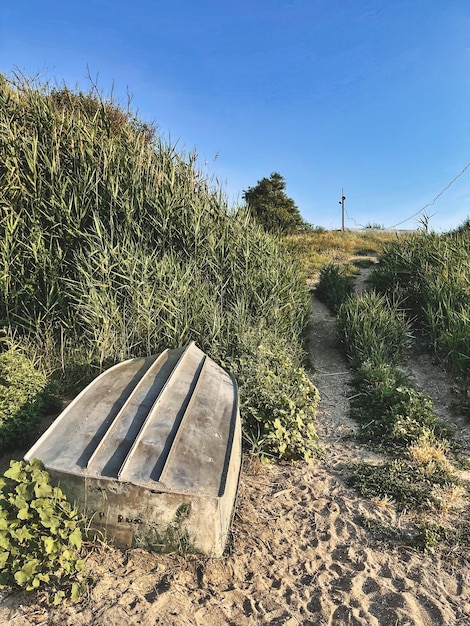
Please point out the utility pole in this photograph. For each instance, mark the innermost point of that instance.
(341, 202)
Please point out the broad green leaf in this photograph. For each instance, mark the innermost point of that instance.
(19, 502)
(40, 476)
(75, 538)
(76, 592)
(22, 534)
(34, 584)
(43, 577)
(25, 574)
(66, 560)
(40, 503)
(3, 558)
(49, 544)
(42, 490)
(70, 524)
(16, 471)
(49, 519)
(58, 493)
(36, 464)
(24, 490)
(24, 513)
(59, 597)
(79, 565)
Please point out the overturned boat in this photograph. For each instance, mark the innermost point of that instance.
(151, 452)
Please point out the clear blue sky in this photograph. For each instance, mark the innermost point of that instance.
(367, 95)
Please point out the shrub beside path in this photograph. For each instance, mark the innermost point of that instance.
(299, 554)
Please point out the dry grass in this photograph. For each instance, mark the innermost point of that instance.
(451, 498)
(428, 452)
(315, 249)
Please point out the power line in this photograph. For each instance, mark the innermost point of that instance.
(421, 210)
(433, 201)
(353, 220)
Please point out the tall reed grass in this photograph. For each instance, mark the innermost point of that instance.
(335, 285)
(113, 244)
(373, 328)
(111, 233)
(431, 272)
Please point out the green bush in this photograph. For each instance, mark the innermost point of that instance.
(40, 534)
(432, 534)
(277, 398)
(454, 342)
(405, 417)
(335, 285)
(371, 327)
(392, 413)
(22, 396)
(373, 377)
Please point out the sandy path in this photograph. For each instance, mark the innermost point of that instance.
(299, 554)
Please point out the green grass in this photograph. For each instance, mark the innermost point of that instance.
(25, 395)
(392, 413)
(335, 285)
(431, 274)
(411, 485)
(419, 474)
(372, 327)
(113, 245)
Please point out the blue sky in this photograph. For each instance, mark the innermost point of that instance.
(367, 95)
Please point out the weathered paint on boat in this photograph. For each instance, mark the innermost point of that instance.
(151, 450)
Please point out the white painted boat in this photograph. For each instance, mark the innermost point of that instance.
(151, 451)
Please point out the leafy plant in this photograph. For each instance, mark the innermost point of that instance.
(405, 416)
(454, 537)
(277, 398)
(40, 534)
(393, 415)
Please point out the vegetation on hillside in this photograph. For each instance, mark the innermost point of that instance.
(430, 273)
(423, 283)
(317, 247)
(115, 245)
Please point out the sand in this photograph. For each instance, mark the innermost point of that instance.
(299, 553)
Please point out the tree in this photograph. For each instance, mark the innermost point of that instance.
(269, 204)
